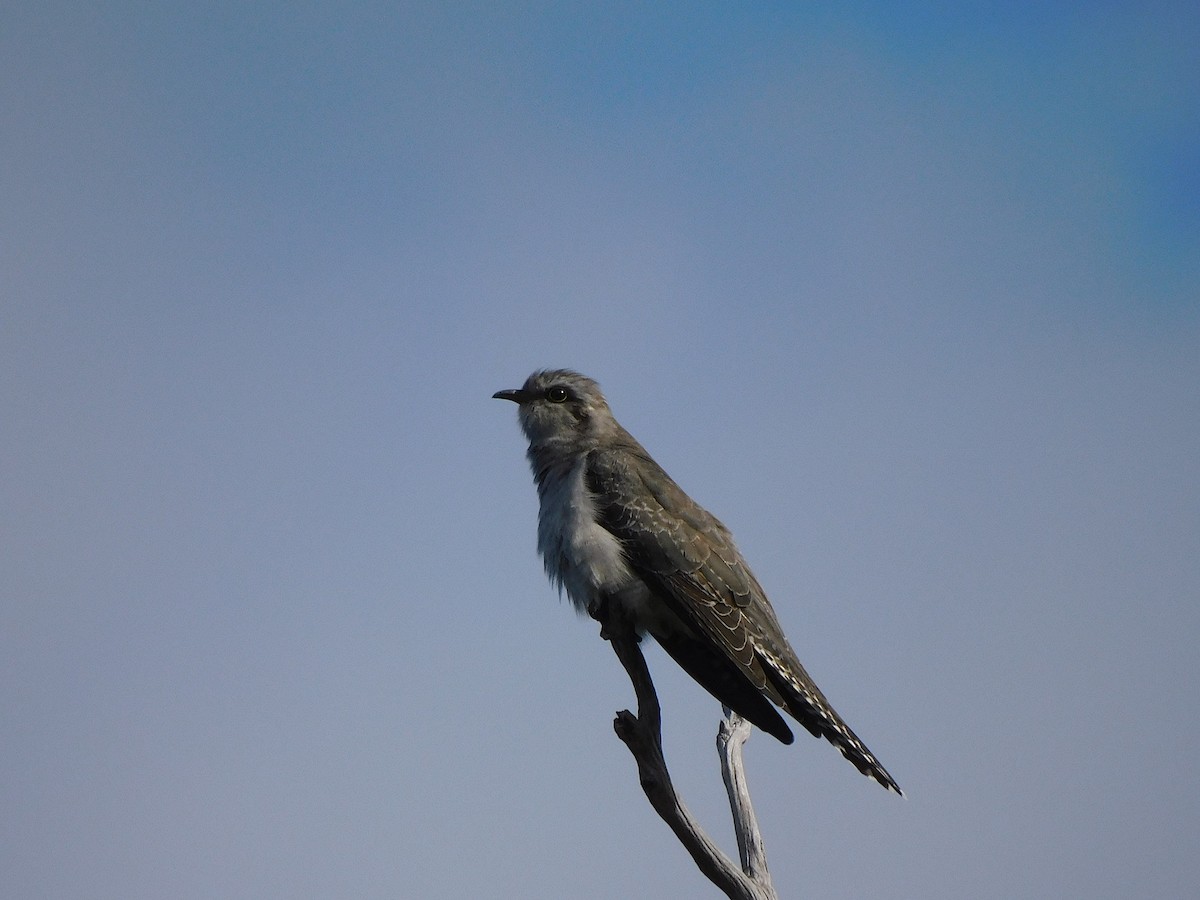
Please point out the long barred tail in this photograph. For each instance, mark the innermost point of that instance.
(840, 735)
(810, 708)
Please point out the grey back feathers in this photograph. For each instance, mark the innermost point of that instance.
(613, 527)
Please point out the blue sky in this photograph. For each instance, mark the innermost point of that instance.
(909, 297)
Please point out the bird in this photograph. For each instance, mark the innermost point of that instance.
(615, 528)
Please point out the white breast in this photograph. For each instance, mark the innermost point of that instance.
(579, 554)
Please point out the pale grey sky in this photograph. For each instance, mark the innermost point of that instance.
(909, 300)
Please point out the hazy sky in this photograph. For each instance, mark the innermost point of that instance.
(910, 298)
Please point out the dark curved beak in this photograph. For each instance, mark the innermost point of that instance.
(516, 396)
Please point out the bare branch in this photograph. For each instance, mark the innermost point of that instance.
(642, 734)
(731, 737)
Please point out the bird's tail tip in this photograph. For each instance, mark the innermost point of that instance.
(891, 785)
(866, 763)
(879, 775)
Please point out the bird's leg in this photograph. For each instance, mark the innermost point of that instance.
(614, 624)
(598, 609)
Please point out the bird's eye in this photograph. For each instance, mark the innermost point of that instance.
(556, 394)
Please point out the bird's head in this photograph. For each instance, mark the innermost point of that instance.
(558, 406)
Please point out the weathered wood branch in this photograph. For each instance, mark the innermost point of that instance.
(731, 738)
(642, 734)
